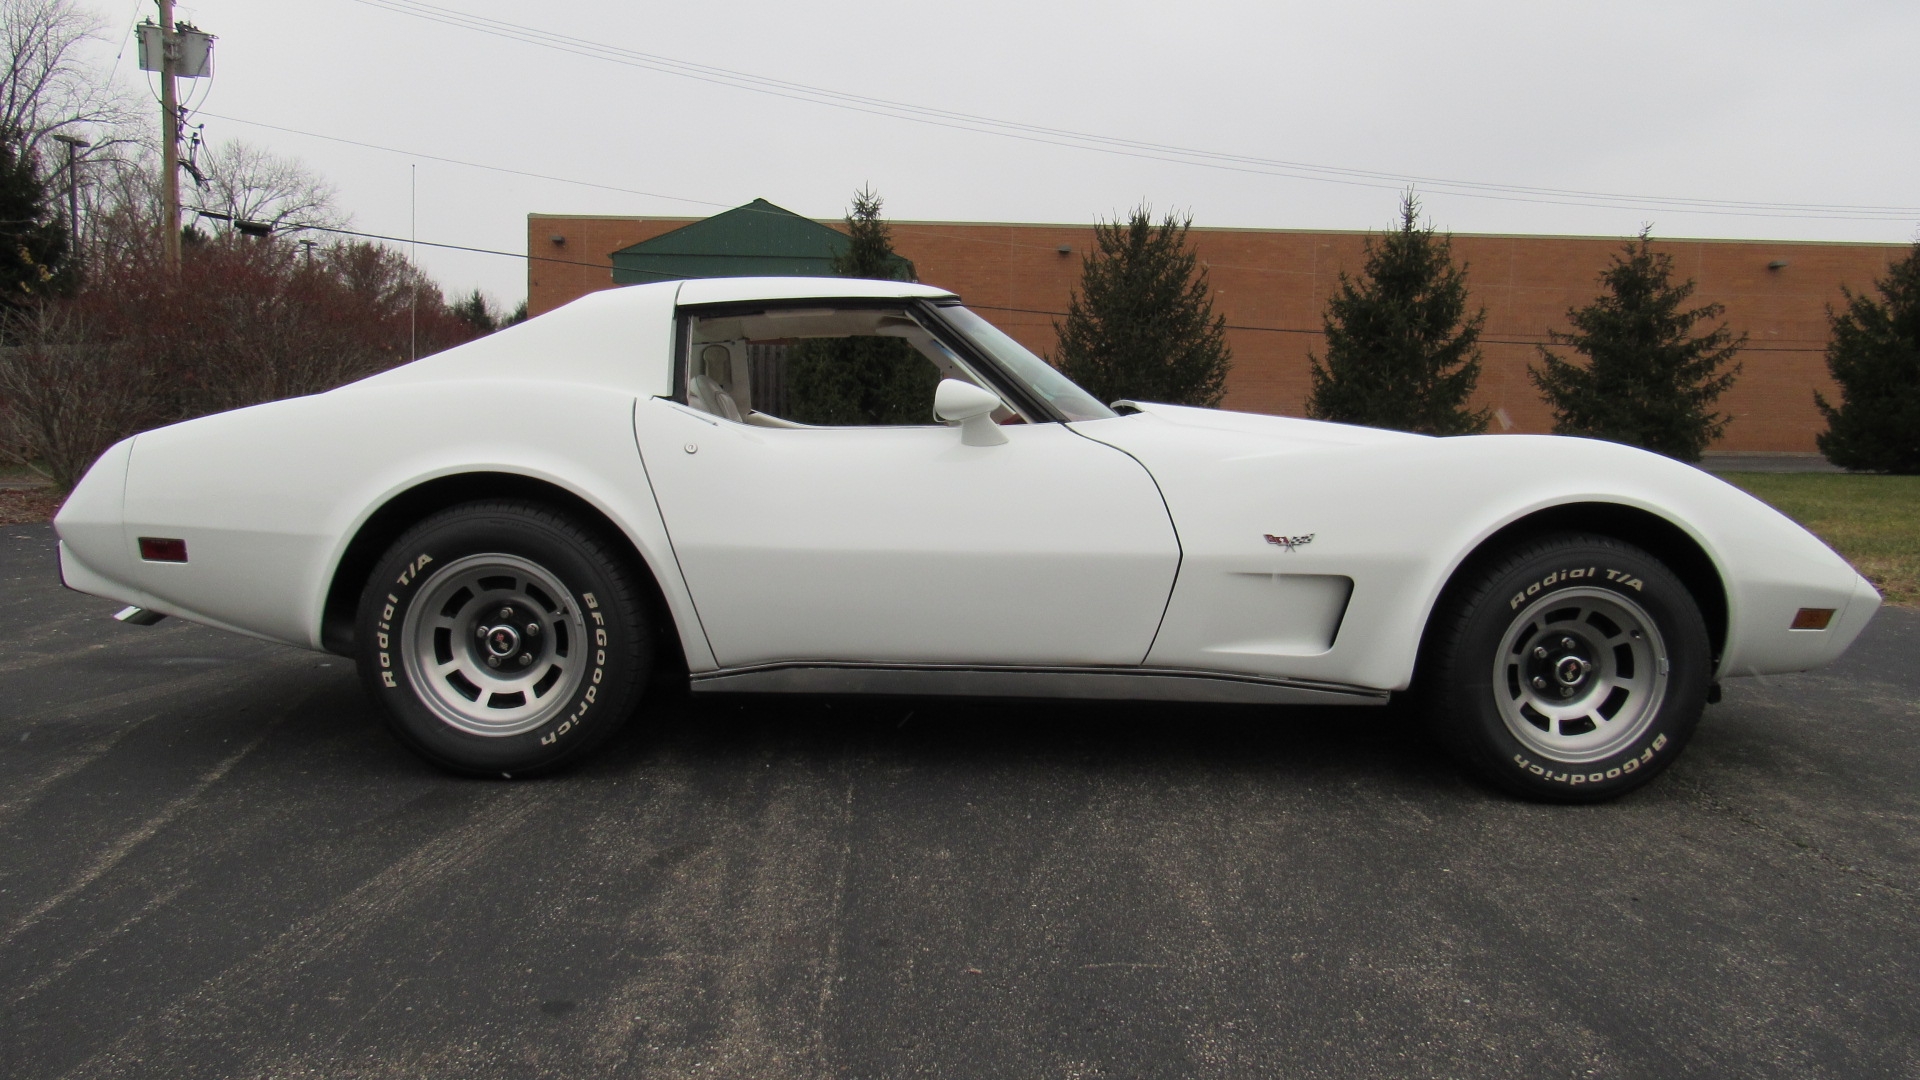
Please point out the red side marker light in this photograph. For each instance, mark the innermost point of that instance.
(163, 549)
(1810, 618)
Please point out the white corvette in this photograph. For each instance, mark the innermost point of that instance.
(827, 485)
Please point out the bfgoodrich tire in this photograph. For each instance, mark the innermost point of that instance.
(503, 639)
(1573, 668)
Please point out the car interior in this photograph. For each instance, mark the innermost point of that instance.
(770, 368)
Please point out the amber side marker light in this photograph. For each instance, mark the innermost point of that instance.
(163, 549)
(1807, 618)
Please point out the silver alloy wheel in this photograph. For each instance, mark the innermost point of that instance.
(494, 645)
(1580, 675)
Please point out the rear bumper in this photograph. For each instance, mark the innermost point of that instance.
(75, 574)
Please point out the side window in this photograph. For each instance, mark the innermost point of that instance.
(817, 367)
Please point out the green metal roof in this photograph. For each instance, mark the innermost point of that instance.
(755, 240)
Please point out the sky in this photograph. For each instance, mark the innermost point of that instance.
(1504, 117)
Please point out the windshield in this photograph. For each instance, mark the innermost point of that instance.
(1049, 385)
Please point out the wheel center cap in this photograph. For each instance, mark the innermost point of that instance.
(1571, 670)
(503, 641)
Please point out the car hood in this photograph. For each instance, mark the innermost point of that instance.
(1283, 430)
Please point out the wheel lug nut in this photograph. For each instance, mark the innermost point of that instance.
(533, 629)
(526, 658)
(1566, 691)
(1566, 643)
(493, 661)
(1539, 683)
(506, 613)
(480, 632)
(1539, 652)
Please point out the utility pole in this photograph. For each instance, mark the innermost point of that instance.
(74, 145)
(169, 139)
(413, 255)
(175, 51)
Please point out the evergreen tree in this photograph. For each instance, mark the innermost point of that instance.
(862, 380)
(1874, 354)
(1402, 352)
(1649, 381)
(33, 236)
(474, 310)
(869, 252)
(1141, 324)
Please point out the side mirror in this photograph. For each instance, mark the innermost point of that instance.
(972, 408)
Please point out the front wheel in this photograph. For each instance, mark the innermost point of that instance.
(502, 639)
(1573, 668)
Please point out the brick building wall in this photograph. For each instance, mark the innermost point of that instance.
(1272, 286)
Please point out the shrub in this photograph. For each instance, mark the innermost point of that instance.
(244, 321)
(69, 393)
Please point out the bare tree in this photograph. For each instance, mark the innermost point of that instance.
(53, 82)
(254, 184)
(47, 82)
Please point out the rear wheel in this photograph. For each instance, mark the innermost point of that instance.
(1573, 668)
(503, 638)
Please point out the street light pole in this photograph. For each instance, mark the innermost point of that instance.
(74, 145)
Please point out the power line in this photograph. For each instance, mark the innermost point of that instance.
(457, 161)
(906, 228)
(435, 244)
(898, 227)
(1541, 340)
(1124, 146)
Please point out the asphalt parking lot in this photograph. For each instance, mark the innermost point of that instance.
(216, 863)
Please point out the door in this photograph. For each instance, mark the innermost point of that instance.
(876, 538)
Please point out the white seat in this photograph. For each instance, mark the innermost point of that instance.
(705, 394)
(719, 383)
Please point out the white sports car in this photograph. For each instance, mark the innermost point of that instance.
(839, 486)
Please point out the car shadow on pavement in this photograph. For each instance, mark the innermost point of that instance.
(1357, 744)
